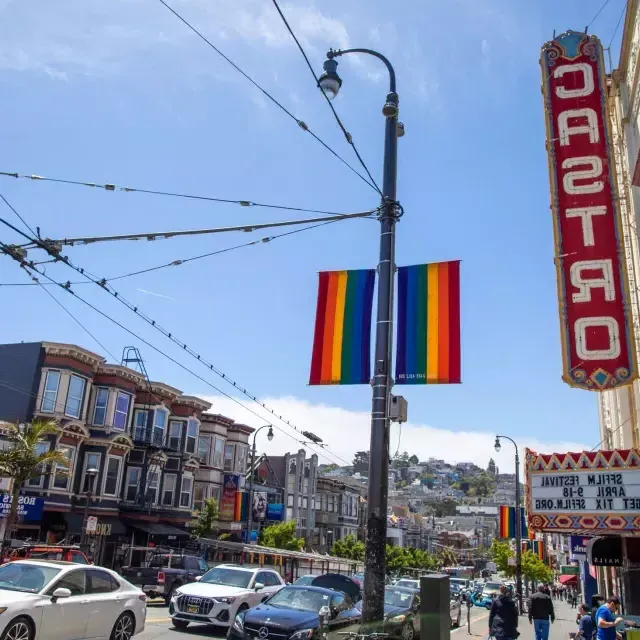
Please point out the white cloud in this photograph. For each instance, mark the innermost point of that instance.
(348, 431)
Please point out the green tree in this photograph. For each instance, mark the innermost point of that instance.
(350, 547)
(534, 569)
(21, 462)
(445, 557)
(281, 536)
(207, 521)
(500, 552)
(361, 462)
(400, 461)
(414, 459)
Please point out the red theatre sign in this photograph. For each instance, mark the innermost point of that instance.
(595, 316)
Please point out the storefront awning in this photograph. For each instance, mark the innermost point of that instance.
(568, 579)
(158, 529)
(115, 526)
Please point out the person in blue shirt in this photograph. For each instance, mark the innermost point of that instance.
(606, 621)
(585, 623)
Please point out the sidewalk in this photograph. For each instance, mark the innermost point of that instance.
(565, 623)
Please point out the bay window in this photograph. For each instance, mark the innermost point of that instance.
(133, 482)
(175, 434)
(37, 481)
(168, 490)
(121, 414)
(152, 487)
(192, 436)
(112, 475)
(241, 462)
(50, 394)
(229, 453)
(100, 408)
(185, 491)
(218, 452)
(91, 461)
(75, 395)
(159, 426)
(199, 495)
(204, 449)
(62, 474)
(140, 420)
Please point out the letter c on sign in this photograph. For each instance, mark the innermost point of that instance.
(587, 78)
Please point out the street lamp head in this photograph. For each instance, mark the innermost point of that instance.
(92, 472)
(330, 82)
(270, 434)
(497, 444)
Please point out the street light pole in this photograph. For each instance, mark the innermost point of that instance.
(91, 476)
(389, 213)
(253, 457)
(518, 522)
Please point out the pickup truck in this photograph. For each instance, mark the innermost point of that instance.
(164, 573)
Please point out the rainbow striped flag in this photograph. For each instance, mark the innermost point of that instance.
(342, 340)
(429, 324)
(507, 522)
(537, 546)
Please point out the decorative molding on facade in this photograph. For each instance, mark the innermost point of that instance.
(73, 351)
(218, 418)
(241, 428)
(119, 371)
(164, 390)
(192, 401)
(192, 463)
(74, 429)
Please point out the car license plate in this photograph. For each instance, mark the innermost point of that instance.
(192, 608)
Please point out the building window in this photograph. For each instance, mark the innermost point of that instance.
(133, 482)
(100, 410)
(185, 491)
(218, 452)
(112, 476)
(199, 493)
(140, 420)
(121, 415)
(159, 425)
(37, 481)
(73, 407)
(229, 452)
(192, 436)
(61, 474)
(204, 449)
(91, 461)
(152, 487)
(214, 492)
(241, 463)
(168, 490)
(50, 395)
(175, 434)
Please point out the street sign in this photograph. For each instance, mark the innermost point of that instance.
(569, 570)
(512, 562)
(92, 524)
(579, 547)
(29, 508)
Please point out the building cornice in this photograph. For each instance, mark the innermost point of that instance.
(73, 351)
(193, 401)
(218, 419)
(163, 389)
(119, 371)
(241, 428)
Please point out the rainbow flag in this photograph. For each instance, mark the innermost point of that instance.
(429, 324)
(342, 340)
(537, 546)
(507, 522)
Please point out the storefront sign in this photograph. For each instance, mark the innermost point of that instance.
(579, 547)
(275, 511)
(103, 529)
(596, 491)
(228, 501)
(605, 552)
(29, 508)
(570, 570)
(593, 291)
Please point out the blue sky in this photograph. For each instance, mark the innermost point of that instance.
(124, 93)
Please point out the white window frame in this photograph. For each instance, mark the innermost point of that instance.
(173, 490)
(241, 455)
(157, 412)
(189, 492)
(197, 505)
(80, 400)
(126, 414)
(218, 463)
(120, 460)
(43, 446)
(190, 423)
(205, 437)
(129, 484)
(85, 466)
(98, 391)
(68, 471)
(179, 424)
(233, 457)
(136, 427)
(45, 391)
(148, 486)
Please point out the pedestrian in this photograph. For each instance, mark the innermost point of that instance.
(503, 617)
(573, 599)
(597, 601)
(541, 613)
(586, 628)
(606, 621)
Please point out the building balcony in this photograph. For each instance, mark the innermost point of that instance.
(155, 440)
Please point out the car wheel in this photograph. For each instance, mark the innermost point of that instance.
(123, 628)
(180, 624)
(18, 629)
(408, 632)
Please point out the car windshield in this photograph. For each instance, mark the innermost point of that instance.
(302, 599)
(17, 576)
(228, 576)
(412, 584)
(302, 580)
(492, 586)
(397, 598)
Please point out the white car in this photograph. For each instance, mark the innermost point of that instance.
(224, 590)
(55, 600)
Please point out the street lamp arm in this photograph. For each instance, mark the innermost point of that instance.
(510, 440)
(392, 74)
(255, 433)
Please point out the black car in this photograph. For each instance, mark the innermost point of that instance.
(294, 611)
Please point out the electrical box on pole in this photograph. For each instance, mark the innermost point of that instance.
(398, 409)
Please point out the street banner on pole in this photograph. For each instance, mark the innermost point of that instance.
(596, 327)
(507, 522)
(342, 340)
(429, 324)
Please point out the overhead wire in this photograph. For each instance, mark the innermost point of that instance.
(135, 309)
(124, 189)
(604, 4)
(624, 8)
(303, 125)
(346, 134)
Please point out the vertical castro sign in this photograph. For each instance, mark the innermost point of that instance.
(593, 292)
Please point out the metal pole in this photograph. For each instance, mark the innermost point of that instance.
(83, 533)
(250, 505)
(518, 533)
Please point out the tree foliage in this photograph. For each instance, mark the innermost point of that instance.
(533, 569)
(361, 462)
(400, 461)
(500, 552)
(350, 548)
(21, 462)
(400, 557)
(207, 521)
(414, 459)
(480, 484)
(281, 535)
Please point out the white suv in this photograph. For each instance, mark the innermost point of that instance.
(224, 590)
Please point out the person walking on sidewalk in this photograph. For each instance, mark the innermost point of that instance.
(541, 613)
(503, 618)
(606, 621)
(586, 627)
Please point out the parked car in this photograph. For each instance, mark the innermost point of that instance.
(407, 583)
(25, 551)
(295, 611)
(305, 580)
(218, 596)
(165, 572)
(491, 589)
(56, 600)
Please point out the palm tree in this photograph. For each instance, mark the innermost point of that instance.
(21, 462)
